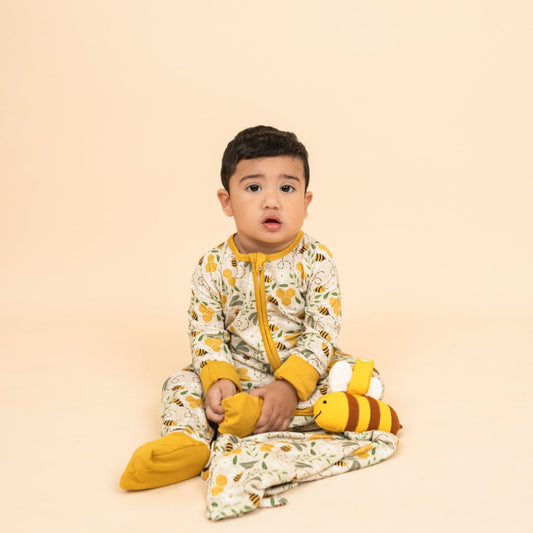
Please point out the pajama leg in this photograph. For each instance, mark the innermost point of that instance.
(182, 407)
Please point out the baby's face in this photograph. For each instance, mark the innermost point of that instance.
(268, 201)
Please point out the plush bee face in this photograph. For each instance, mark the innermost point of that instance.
(331, 411)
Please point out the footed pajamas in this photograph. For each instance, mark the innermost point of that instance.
(253, 319)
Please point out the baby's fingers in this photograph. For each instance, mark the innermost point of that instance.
(212, 415)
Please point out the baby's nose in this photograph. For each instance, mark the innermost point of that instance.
(271, 199)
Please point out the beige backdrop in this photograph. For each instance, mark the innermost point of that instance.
(418, 119)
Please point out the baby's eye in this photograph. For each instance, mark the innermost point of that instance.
(253, 188)
(287, 188)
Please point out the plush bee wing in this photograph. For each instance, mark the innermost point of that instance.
(339, 376)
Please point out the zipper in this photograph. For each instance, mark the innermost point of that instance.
(260, 298)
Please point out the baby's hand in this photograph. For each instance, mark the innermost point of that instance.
(223, 388)
(279, 402)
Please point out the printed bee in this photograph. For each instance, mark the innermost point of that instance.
(234, 262)
(286, 448)
(341, 463)
(325, 350)
(272, 300)
(229, 447)
(255, 499)
(320, 288)
(323, 389)
(168, 423)
(177, 387)
(194, 315)
(325, 335)
(303, 249)
(194, 333)
(320, 257)
(178, 402)
(280, 346)
(342, 411)
(273, 327)
(203, 363)
(237, 477)
(268, 279)
(199, 352)
(323, 311)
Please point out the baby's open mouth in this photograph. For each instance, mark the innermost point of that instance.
(271, 222)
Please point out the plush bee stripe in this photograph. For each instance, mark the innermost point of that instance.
(386, 417)
(353, 412)
(364, 414)
(375, 414)
(395, 426)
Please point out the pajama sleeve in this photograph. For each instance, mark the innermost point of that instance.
(310, 357)
(212, 359)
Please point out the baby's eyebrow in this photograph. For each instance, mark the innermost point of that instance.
(260, 176)
(251, 177)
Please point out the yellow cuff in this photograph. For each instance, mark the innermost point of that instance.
(215, 370)
(300, 374)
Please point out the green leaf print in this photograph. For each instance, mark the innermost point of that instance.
(248, 464)
(264, 466)
(242, 347)
(236, 300)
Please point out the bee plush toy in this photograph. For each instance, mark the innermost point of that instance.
(350, 405)
(355, 409)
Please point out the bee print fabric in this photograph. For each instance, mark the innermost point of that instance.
(253, 312)
(244, 474)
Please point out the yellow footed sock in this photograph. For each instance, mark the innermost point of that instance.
(170, 459)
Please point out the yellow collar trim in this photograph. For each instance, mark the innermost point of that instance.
(270, 257)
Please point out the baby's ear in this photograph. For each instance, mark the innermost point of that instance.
(307, 200)
(225, 202)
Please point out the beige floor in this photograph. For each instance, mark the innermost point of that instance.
(79, 395)
(418, 119)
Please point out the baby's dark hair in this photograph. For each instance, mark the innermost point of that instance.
(261, 141)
